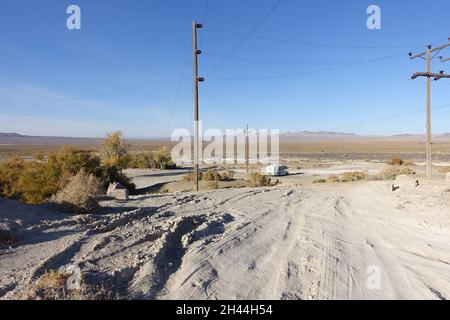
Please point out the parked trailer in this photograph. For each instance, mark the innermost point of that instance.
(275, 170)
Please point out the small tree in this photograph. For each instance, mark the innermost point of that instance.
(163, 159)
(115, 150)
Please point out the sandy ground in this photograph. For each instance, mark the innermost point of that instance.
(284, 242)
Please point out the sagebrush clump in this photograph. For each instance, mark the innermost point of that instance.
(390, 173)
(257, 179)
(351, 176)
(212, 175)
(213, 184)
(78, 195)
(396, 161)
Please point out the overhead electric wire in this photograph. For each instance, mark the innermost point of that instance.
(401, 115)
(309, 72)
(245, 37)
(204, 17)
(282, 62)
(177, 92)
(312, 44)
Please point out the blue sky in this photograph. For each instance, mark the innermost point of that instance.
(122, 69)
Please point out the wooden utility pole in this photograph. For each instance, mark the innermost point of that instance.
(247, 149)
(428, 74)
(196, 52)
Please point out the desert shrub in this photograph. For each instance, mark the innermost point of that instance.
(141, 160)
(69, 161)
(228, 176)
(39, 156)
(396, 161)
(353, 176)
(163, 159)
(28, 181)
(333, 178)
(52, 285)
(391, 173)
(35, 181)
(114, 152)
(213, 184)
(115, 174)
(52, 279)
(319, 181)
(78, 195)
(257, 179)
(191, 176)
(211, 175)
(10, 171)
(444, 169)
(348, 177)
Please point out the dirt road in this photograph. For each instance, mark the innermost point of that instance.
(344, 241)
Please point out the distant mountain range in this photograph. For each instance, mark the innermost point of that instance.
(10, 135)
(329, 135)
(288, 136)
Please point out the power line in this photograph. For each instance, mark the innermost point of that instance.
(177, 93)
(311, 44)
(310, 72)
(274, 62)
(283, 62)
(401, 115)
(205, 16)
(245, 37)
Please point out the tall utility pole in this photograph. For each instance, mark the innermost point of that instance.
(247, 149)
(428, 74)
(197, 79)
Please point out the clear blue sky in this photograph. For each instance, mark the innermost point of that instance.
(122, 69)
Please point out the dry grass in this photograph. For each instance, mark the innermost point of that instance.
(52, 285)
(351, 176)
(257, 179)
(444, 170)
(78, 195)
(395, 161)
(212, 185)
(52, 279)
(211, 175)
(191, 176)
(392, 172)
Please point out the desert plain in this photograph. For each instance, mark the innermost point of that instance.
(309, 236)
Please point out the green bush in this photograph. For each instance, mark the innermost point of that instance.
(163, 159)
(36, 181)
(141, 160)
(114, 152)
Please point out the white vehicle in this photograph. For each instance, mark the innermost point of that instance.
(275, 170)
